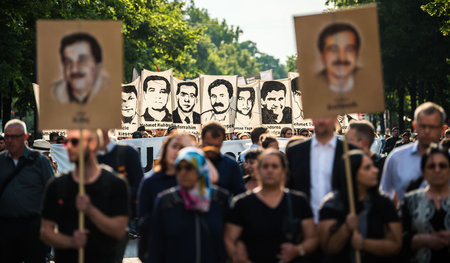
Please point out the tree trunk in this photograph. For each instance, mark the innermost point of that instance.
(413, 94)
(6, 103)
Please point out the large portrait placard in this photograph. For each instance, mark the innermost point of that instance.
(218, 100)
(156, 107)
(130, 108)
(298, 117)
(186, 105)
(339, 62)
(276, 104)
(248, 107)
(79, 74)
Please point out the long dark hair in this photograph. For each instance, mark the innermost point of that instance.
(340, 185)
(161, 163)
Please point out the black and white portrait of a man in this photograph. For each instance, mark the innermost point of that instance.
(156, 91)
(220, 93)
(129, 105)
(246, 97)
(187, 98)
(273, 103)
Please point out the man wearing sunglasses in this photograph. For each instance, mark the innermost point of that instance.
(23, 176)
(105, 206)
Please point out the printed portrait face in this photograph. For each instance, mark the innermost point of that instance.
(129, 101)
(275, 101)
(245, 102)
(339, 54)
(186, 98)
(220, 100)
(79, 67)
(157, 93)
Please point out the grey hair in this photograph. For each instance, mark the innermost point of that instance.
(17, 122)
(429, 108)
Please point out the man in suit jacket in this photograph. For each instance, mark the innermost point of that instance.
(313, 162)
(187, 97)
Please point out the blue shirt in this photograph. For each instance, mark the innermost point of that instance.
(401, 168)
(230, 174)
(244, 153)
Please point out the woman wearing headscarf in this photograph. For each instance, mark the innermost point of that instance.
(378, 236)
(270, 223)
(426, 212)
(188, 220)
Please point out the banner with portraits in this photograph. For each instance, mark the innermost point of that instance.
(218, 100)
(79, 73)
(276, 104)
(339, 62)
(248, 113)
(130, 108)
(186, 104)
(298, 118)
(156, 107)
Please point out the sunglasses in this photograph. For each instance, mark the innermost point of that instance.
(73, 141)
(13, 136)
(184, 167)
(441, 166)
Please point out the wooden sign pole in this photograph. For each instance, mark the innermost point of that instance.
(351, 194)
(81, 191)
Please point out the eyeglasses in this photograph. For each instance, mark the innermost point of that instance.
(13, 136)
(73, 141)
(433, 166)
(188, 168)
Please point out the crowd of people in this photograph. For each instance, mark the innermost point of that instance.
(200, 205)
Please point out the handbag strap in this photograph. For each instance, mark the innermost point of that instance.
(289, 202)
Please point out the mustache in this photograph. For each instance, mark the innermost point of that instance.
(77, 75)
(341, 63)
(218, 104)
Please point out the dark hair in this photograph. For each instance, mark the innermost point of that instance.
(129, 89)
(155, 77)
(253, 154)
(270, 86)
(266, 140)
(335, 28)
(294, 86)
(82, 37)
(446, 143)
(141, 128)
(2, 138)
(433, 149)
(256, 133)
(363, 129)
(280, 155)
(136, 134)
(215, 128)
(53, 134)
(161, 164)
(447, 132)
(193, 84)
(429, 108)
(251, 90)
(284, 130)
(219, 82)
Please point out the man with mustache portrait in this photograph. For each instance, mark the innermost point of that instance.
(83, 76)
(220, 94)
(339, 45)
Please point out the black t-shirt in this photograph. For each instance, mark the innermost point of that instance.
(381, 213)
(108, 193)
(262, 226)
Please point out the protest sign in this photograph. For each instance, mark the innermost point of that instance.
(218, 99)
(339, 62)
(298, 118)
(186, 105)
(130, 108)
(248, 107)
(156, 108)
(79, 73)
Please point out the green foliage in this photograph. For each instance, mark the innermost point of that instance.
(439, 8)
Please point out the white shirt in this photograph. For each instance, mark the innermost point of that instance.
(401, 168)
(321, 163)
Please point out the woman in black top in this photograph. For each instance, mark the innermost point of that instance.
(378, 234)
(257, 218)
(426, 212)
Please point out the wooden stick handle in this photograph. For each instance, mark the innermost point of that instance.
(81, 190)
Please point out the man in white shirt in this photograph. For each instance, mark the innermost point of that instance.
(402, 169)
